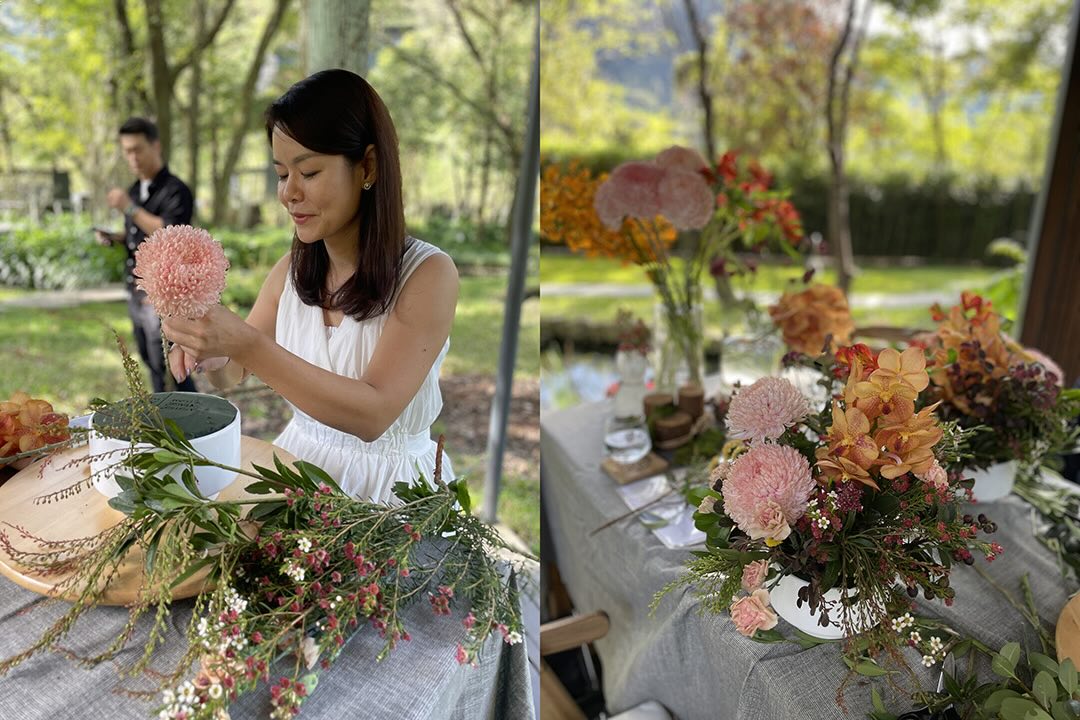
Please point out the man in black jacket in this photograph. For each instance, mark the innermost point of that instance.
(156, 199)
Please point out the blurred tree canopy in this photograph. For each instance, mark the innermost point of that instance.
(964, 89)
(454, 74)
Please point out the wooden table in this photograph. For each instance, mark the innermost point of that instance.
(88, 513)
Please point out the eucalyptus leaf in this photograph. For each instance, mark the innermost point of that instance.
(1067, 675)
(1038, 661)
(993, 703)
(1044, 688)
(1022, 708)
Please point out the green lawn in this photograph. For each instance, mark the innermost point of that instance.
(561, 268)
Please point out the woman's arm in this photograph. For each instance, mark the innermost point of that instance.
(411, 340)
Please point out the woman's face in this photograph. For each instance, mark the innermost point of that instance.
(320, 192)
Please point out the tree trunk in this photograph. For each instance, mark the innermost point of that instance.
(155, 22)
(704, 93)
(337, 35)
(243, 118)
(196, 94)
(836, 107)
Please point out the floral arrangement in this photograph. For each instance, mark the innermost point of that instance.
(638, 210)
(293, 572)
(27, 425)
(814, 320)
(984, 377)
(851, 499)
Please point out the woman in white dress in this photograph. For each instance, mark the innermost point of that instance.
(351, 326)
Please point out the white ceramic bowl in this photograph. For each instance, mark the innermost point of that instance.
(222, 446)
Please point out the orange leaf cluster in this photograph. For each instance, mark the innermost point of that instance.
(27, 424)
(568, 217)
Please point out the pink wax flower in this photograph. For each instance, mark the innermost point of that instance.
(631, 190)
(182, 270)
(686, 199)
(754, 574)
(767, 490)
(751, 613)
(765, 409)
(678, 157)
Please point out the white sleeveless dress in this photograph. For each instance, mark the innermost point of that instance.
(365, 470)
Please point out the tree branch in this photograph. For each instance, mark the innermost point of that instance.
(464, 30)
(834, 63)
(201, 43)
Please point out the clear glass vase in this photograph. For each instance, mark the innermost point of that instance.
(678, 346)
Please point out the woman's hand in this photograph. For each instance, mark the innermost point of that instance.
(220, 333)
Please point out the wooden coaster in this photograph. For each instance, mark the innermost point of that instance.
(1068, 631)
(651, 464)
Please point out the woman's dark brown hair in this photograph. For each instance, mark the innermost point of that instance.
(336, 112)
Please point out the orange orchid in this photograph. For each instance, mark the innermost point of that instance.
(908, 446)
(908, 367)
(893, 400)
(27, 424)
(842, 470)
(849, 436)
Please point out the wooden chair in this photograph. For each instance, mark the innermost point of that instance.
(565, 634)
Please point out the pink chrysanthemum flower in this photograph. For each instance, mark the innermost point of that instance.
(765, 409)
(686, 199)
(767, 491)
(182, 270)
(678, 157)
(631, 190)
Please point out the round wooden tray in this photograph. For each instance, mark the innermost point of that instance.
(1068, 631)
(87, 513)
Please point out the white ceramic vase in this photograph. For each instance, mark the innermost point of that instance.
(784, 598)
(995, 482)
(222, 446)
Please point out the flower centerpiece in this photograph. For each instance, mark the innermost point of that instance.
(636, 213)
(985, 378)
(833, 517)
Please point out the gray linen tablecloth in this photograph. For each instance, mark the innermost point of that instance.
(698, 665)
(420, 679)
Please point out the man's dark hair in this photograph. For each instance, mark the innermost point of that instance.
(140, 126)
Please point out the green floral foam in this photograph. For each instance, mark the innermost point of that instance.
(196, 414)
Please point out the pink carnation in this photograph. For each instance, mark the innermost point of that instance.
(767, 491)
(935, 476)
(678, 157)
(751, 613)
(631, 190)
(754, 574)
(686, 199)
(182, 270)
(765, 409)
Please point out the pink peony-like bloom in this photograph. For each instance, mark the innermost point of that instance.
(765, 409)
(935, 476)
(182, 270)
(751, 613)
(632, 190)
(767, 490)
(754, 574)
(686, 199)
(678, 157)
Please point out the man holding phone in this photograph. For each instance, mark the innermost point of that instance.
(157, 198)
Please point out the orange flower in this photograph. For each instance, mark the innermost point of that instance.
(849, 436)
(568, 217)
(842, 470)
(807, 318)
(27, 424)
(908, 367)
(892, 400)
(909, 446)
